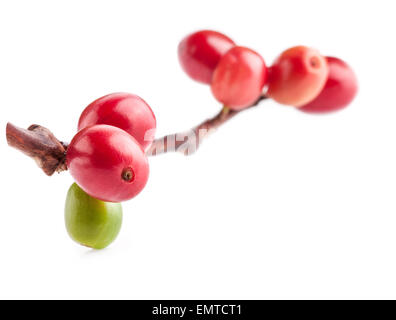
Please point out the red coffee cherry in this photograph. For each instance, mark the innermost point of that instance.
(125, 111)
(239, 78)
(297, 76)
(107, 163)
(200, 52)
(339, 91)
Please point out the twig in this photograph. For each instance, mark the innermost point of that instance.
(49, 153)
(188, 142)
(40, 144)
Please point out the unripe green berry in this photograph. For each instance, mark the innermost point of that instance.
(89, 221)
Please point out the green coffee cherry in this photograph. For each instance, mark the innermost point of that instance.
(89, 221)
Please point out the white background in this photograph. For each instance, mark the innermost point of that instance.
(276, 204)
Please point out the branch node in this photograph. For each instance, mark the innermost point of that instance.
(40, 144)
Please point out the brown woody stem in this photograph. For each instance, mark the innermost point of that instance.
(189, 141)
(40, 144)
(49, 153)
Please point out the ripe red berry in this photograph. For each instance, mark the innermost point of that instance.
(200, 52)
(297, 76)
(107, 163)
(125, 111)
(340, 89)
(239, 78)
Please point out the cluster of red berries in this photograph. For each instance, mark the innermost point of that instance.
(107, 156)
(238, 76)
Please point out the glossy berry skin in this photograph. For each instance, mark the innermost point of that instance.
(125, 111)
(107, 163)
(89, 221)
(239, 78)
(297, 76)
(340, 89)
(200, 52)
